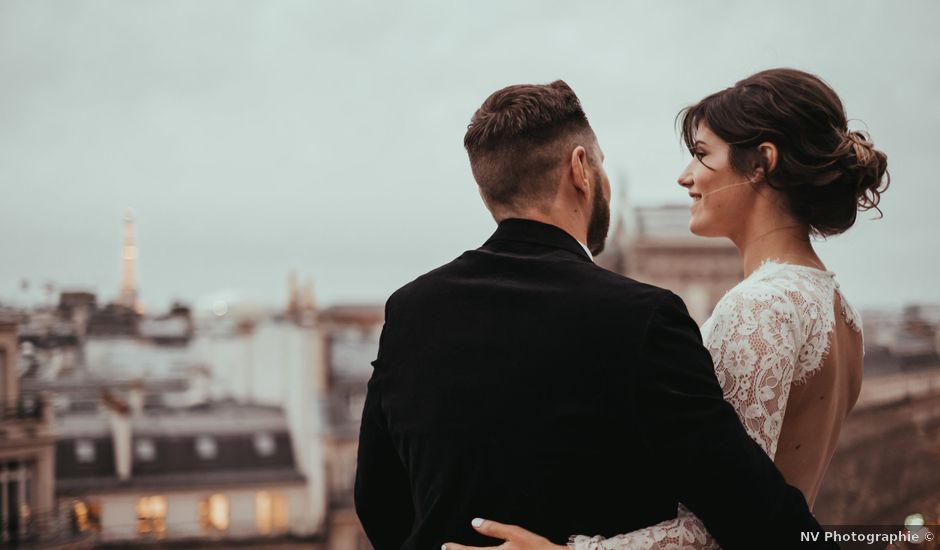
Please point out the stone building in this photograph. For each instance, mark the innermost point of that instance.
(653, 245)
(350, 341)
(27, 447)
(220, 472)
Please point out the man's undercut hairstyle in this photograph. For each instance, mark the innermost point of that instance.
(519, 136)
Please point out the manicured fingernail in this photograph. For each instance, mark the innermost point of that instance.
(477, 522)
(443, 547)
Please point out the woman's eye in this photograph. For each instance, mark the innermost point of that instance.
(698, 154)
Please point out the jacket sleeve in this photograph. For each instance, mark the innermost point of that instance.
(382, 493)
(755, 352)
(722, 475)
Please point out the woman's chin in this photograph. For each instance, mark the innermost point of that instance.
(700, 229)
(695, 228)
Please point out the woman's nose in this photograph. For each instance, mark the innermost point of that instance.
(685, 178)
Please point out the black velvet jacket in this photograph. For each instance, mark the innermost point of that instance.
(522, 383)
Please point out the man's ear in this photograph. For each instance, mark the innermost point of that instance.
(579, 173)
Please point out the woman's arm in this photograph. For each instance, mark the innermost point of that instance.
(685, 532)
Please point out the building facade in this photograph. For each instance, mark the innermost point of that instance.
(27, 447)
(219, 471)
(654, 246)
(350, 337)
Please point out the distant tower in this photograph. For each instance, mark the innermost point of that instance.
(293, 296)
(128, 297)
(300, 305)
(307, 301)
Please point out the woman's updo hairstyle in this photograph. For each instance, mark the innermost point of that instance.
(825, 172)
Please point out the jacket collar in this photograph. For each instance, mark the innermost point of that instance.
(531, 231)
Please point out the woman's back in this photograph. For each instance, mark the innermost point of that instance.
(817, 409)
(788, 352)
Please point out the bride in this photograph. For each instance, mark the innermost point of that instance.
(773, 164)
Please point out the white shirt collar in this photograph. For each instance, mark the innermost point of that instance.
(586, 250)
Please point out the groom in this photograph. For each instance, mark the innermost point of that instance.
(522, 383)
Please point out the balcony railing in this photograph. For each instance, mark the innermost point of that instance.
(38, 531)
(27, 407)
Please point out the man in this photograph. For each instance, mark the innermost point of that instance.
(523, 383)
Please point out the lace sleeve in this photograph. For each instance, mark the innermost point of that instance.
(685, 532)
(753, 338)
(755, 342)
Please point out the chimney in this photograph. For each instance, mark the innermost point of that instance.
(9, 352)
(198, 391)
(119, 418)
(135, 398)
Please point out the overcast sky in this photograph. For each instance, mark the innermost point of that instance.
(253, 138)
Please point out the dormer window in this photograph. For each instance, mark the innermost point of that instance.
(84, 450)
(145, 450)
(206, 447)
(264, 444)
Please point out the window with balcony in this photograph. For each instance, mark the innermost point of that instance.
(213, 513)
(151, 516)
(16, 488)
(271, 512)
(86, 516)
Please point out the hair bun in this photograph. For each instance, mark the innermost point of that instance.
(866, 168)
(862, 146)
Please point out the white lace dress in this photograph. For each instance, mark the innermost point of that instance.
(767, 333)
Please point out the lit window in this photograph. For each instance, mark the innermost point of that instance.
(25, 513)
(264, 444)
(84, 450)
(145, 450)
(151, 516)
(213, 513)
(87, 515)
(271, 512)
(206, 447)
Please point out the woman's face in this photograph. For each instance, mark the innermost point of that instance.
(721, 197)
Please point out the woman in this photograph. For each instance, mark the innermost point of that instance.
(773, 164)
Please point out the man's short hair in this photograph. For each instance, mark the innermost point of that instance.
(518, 137)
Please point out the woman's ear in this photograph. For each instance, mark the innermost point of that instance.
(767, 162)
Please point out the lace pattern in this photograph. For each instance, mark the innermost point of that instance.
(767, 333)
(684, 532)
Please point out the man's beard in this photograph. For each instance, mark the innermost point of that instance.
(599, 222)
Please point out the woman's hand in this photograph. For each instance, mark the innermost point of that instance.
(516, 538)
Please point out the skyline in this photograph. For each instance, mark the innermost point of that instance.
(256, 139)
